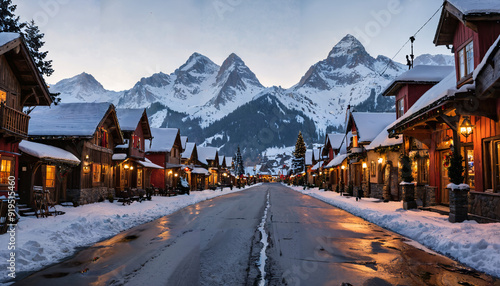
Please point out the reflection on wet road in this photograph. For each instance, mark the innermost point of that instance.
(216, 242)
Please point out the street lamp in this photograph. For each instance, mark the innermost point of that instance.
(466, 127)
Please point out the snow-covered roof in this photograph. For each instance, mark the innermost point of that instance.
(370, 124)
(317, 166)
(468, 7)
(433, 97)
(418, 75)
(67, 119)
(229, 161)
(119, 157)
(129, 118)
(188, 150)
(336, 161)
(309, 157)
(47, 152)
(486, 57)
(206, 153)
(148, 164)
(6, 37)
(164, 139)
(335, 140)
(383, 140)
(202, 171)
(221, 160)
(184, 140)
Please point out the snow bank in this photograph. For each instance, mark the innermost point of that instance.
(41, 242)
(473, 244)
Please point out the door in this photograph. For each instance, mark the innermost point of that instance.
(445, 159)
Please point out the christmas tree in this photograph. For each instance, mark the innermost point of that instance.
(238, 163)
(406, 173)
(299, 155)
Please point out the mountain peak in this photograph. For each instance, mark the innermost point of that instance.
(197, 62)
(349, 44)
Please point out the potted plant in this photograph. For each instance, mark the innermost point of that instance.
(458, 190)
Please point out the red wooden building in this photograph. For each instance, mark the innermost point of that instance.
(437, 118)
(21, 85)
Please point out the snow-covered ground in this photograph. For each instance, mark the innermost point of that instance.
(473, 244)
(41, 242)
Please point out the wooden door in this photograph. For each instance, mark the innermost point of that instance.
(444, 163)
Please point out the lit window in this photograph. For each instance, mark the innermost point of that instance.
(139, 177)
(96, 173)
(3, 96)
(50, 177)
(5, 171)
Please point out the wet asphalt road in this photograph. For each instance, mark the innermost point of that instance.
(216, 243)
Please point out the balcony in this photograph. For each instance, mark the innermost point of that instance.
(13, 122)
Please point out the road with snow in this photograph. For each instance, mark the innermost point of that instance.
(217, 242)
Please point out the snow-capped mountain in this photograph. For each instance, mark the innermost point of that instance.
(434, 60)
(84, 88)
(199, 88)
(348, 76)
(228, 105)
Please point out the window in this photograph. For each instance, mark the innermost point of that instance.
(96, 173)
(466, 60)
(139, 177)
(3, 96)
(373, 168)
(101, 138)
(400, 107)
(6, 170)
(491, 163)
(104, 172)
(50, 176)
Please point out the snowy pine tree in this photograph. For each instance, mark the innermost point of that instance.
(238, 164)
(33, 38)
(9, 22)
(299, 154)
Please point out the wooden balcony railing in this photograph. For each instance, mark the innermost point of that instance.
(13, 121)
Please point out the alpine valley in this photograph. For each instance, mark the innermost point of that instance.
(226, 106)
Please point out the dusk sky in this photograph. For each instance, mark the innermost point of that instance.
(120, 41)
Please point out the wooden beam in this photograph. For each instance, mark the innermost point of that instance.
(451, 121)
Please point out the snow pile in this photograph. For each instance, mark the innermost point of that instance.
(473, 244)
(265, 244)
(47, 152)
(41, 242)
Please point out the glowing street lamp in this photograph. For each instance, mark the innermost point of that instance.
(466, 127)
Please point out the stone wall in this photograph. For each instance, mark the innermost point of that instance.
(425, 195)
(376, 191)
(89, 196)
(485, 205)
(395, 191)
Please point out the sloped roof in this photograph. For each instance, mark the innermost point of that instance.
(21, 62)
(383, 140)
(309, 157)
(48, 153)
(475, 7)
(421, 74)
(129, 118)
(184, 140)
(67, 119)
(317, 153)
(221, 160)
(229, 161)
(164, 139)
(335, 140)
(370, 124)
(439, 93)
(206, 153)
(336, 161)
(188, 151)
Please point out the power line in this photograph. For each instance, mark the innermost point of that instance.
(414, 36)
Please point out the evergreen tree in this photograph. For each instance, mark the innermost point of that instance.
(298, 162)
(300, 147)
(33, 38)
(406, 173)
(9, 22)
(238, 164)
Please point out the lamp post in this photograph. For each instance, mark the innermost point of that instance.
(466, 128)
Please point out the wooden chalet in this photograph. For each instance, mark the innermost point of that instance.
(331, 150)
(165, 151)
(407, 89)
(21, 85)
(194, 174)
(131, 168)
(209, 159)
(461, 112)
(364, 128)
(89, 131)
